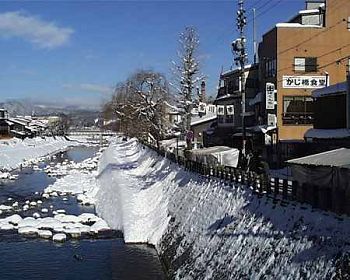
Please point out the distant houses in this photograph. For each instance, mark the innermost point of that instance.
(26, 126)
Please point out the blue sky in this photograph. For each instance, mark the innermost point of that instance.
(74, 52)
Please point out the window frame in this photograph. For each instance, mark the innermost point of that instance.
(298, 118)
(305, 64)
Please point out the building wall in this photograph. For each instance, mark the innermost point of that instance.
(199, 128)
(331, 46)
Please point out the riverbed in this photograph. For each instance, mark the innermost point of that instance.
(106, 257)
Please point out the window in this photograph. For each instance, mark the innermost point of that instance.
(270, 67)
(220, 119)
(297, 110)
(305, 64)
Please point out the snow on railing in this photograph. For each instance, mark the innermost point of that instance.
(278, 189)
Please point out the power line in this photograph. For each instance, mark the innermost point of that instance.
(325, 65)
(256, 8)
(322, 55)
(330, 11)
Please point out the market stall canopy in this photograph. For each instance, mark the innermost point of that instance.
(337, 158)
(218, 155)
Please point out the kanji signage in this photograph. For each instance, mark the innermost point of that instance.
(230, 110)
(221, 110)
(304, 81)
(202, 107)
(270, 96)
(211, 108)
(271, 120)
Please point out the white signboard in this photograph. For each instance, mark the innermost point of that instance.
(304, 81)
(271, 120)
(202, 107)
(230, 109)
(211, 108)
(221, 110)
(270, 96)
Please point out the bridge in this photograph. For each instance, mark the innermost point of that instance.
(92, 133)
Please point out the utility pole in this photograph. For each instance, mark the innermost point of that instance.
(239, 48)
(254, 36)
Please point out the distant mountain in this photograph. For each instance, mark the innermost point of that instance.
(27, 107)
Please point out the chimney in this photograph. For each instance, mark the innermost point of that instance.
(202, 96)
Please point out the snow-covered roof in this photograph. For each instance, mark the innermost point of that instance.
(262, 128)
(333, 89)
(18, 132)
(328, 133)
(297, 25)
(226, 96)
(206, 118)
(246, 67)
(216, 155)
(338, 158)
(173, 107)
(18, 121)
(257, 99)
(311, 11)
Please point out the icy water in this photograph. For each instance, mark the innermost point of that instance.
(34, 258)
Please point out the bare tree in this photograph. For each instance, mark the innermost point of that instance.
(140, 104)
(187, 75)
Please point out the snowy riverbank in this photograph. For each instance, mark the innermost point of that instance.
(15, 152)
(206, 229)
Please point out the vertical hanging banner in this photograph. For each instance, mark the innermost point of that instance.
(202, 107)
(221, 110)
(271, 120)
(270, 96)
(230, 110)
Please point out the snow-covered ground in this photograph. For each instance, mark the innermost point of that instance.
(15, 152)
(208, 229)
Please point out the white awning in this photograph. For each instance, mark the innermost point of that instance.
(339, 158)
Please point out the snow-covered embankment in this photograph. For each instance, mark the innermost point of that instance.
(207, 229)
(15, 152)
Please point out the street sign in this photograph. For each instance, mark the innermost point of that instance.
(211, 108)
(304, 81)
(202, 107)
(270, 96)
(271, 120)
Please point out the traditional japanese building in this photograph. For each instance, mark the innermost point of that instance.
(228, 102)
(310, 51)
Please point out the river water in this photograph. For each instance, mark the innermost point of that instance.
(33, 258)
